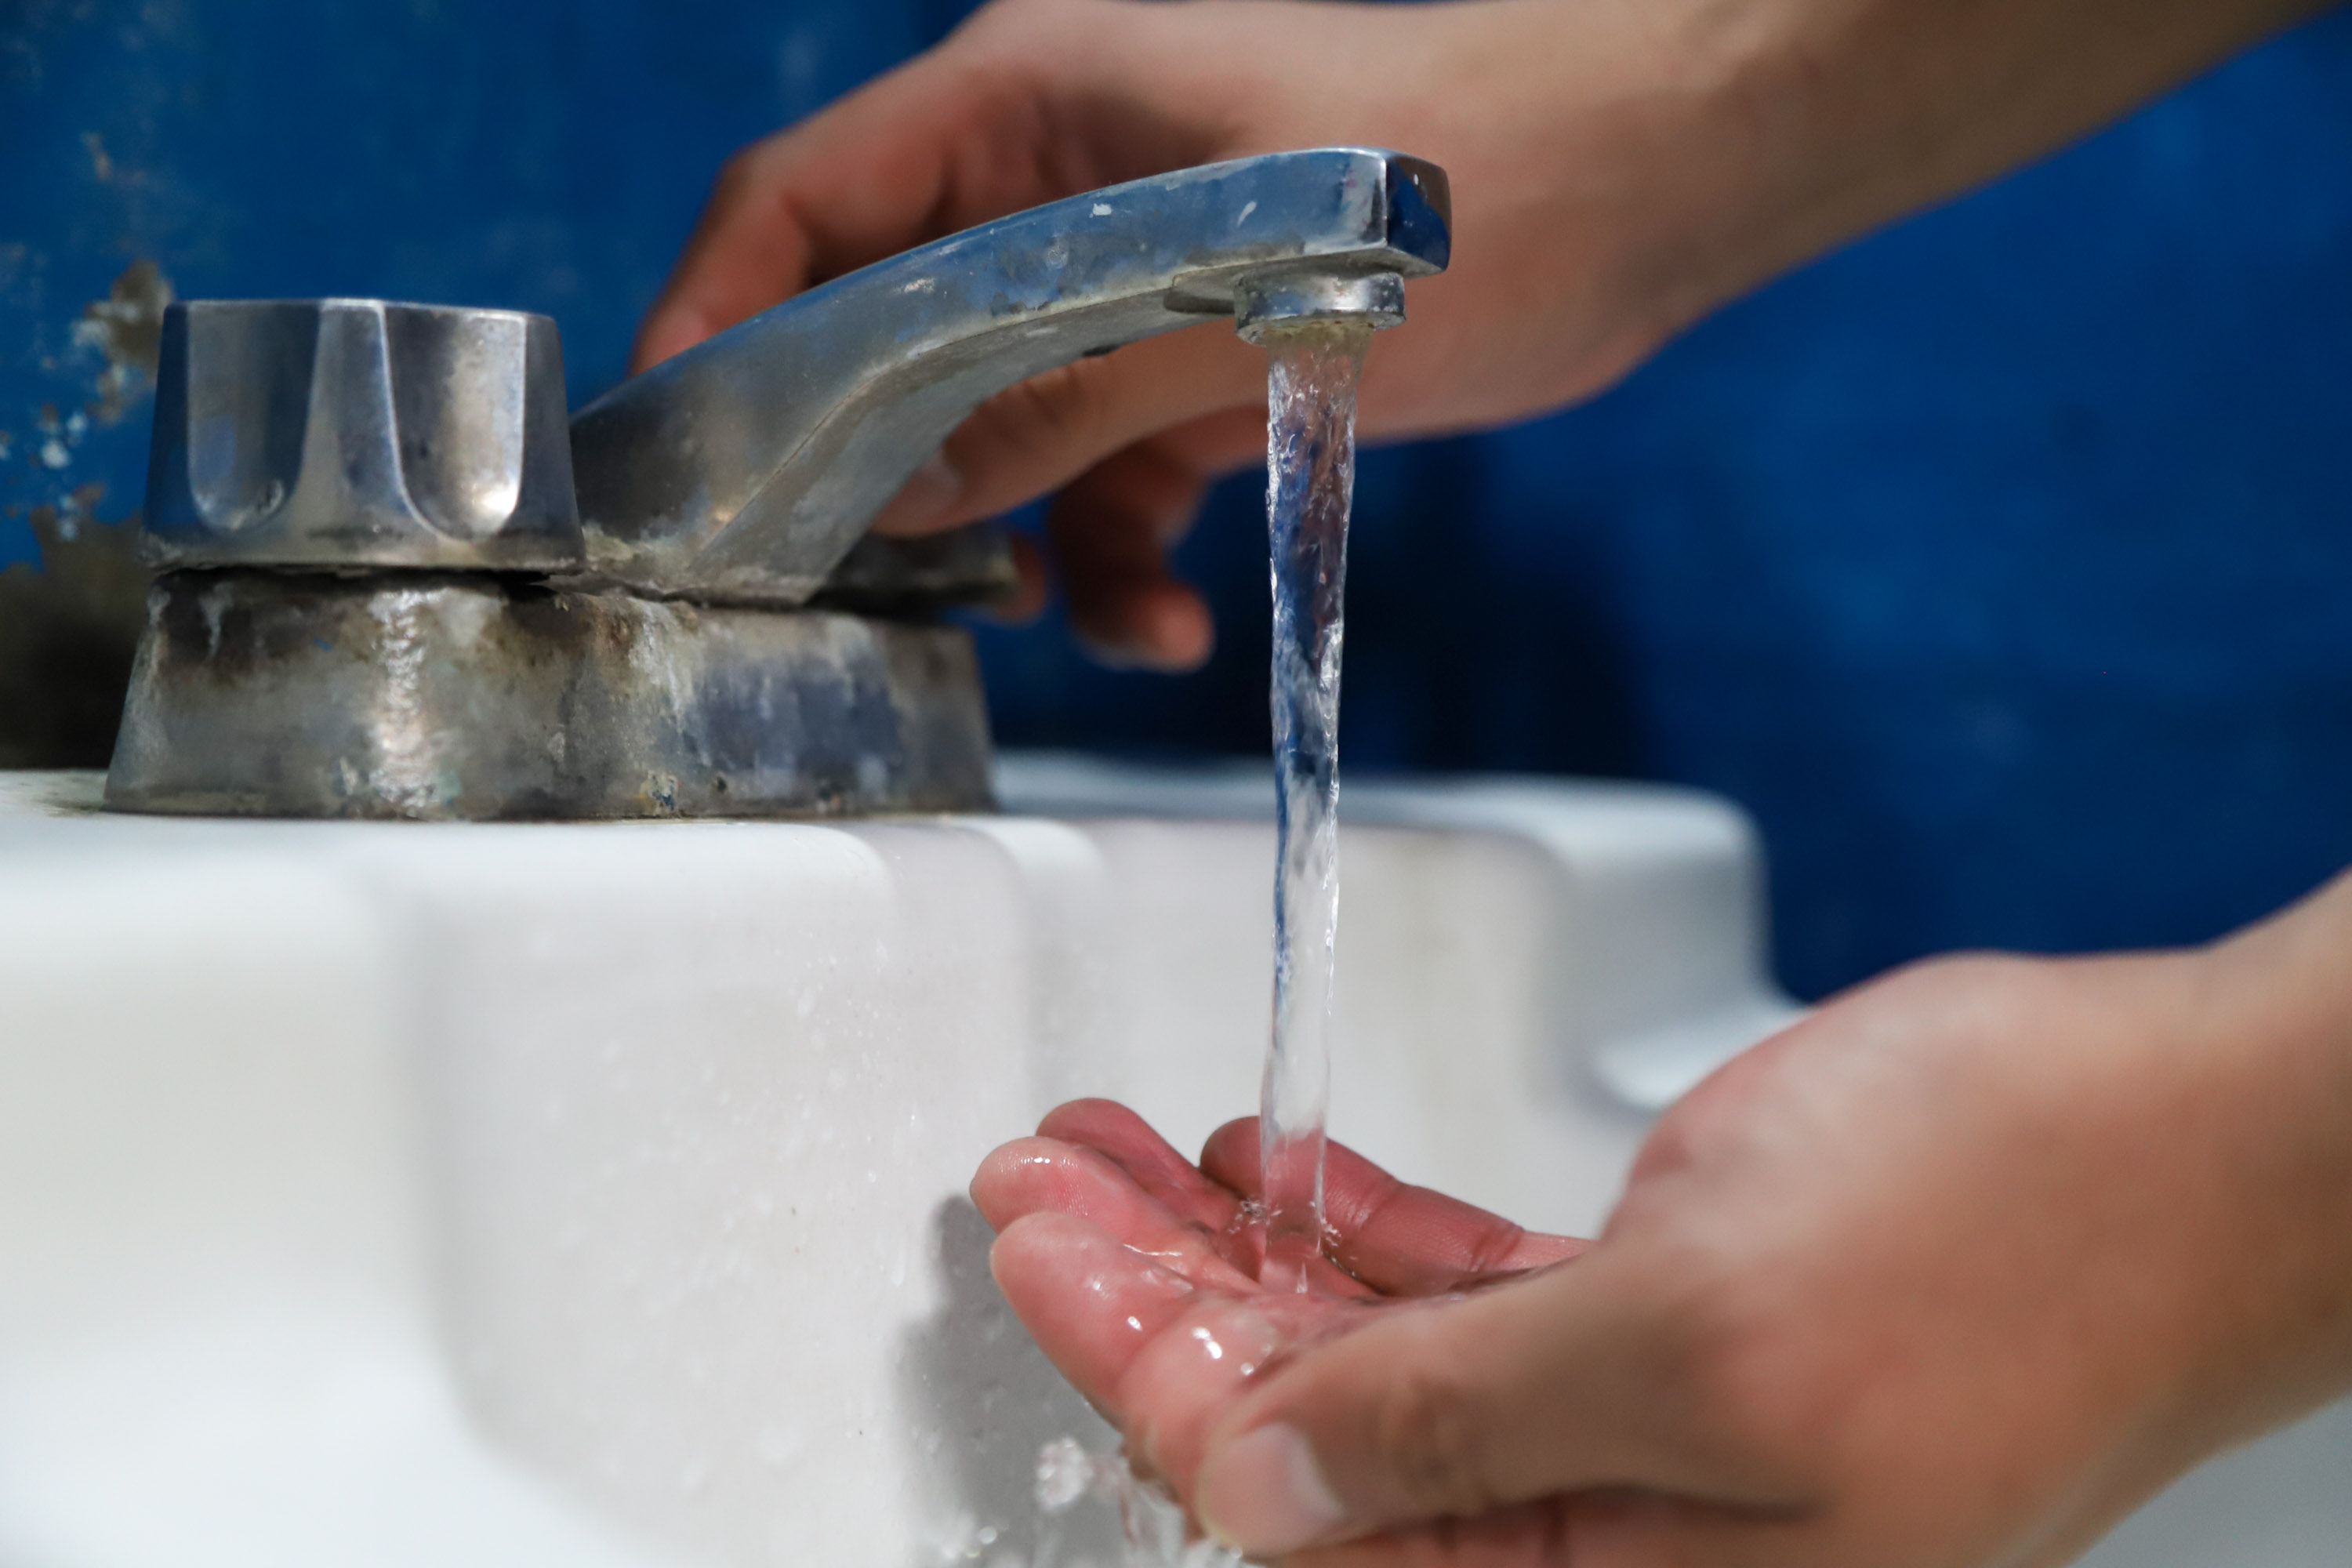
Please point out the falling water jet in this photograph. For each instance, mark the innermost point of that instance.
(1314, 368)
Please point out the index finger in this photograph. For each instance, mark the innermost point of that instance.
(1045, 1175)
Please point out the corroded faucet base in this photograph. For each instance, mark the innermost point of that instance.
(471, 696)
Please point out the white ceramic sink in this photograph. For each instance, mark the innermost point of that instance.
(516, 1195)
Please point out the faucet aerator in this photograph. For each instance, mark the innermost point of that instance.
(1286, 298)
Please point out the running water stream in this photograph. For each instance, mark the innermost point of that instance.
(1310, 474)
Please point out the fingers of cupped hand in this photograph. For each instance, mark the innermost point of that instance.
(1044, 1175)
(1127, 1140)
(1400, 1239)
(1185, 1193)
(1162, 1354)
(1090, 1301)
(1099, 1160)
(1481, 1407)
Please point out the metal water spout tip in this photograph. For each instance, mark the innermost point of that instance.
(1272, 301)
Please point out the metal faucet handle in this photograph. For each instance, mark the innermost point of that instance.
(746, 468)
(342, 434)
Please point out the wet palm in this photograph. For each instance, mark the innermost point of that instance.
(1138, 1271)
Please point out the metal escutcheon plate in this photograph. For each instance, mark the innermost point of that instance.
(460, 697)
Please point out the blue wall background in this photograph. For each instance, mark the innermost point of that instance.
(2000, 564)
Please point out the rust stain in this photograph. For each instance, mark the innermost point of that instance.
(127, 327)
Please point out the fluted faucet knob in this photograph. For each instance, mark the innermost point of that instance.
(344, 434)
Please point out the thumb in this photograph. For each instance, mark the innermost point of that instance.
(1571, 1380)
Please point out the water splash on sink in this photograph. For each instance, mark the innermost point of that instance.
(1310, 474)
(1152, 1524)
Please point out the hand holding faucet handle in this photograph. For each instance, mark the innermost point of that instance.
(1620, 170)
(1950, 1275)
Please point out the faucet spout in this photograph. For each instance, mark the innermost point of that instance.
(746, 468)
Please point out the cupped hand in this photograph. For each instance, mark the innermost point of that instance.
(1138, 1270)
(1035, 99)
(1953, 1273)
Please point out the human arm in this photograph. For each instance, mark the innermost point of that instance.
(1619, 167)
(1954, 1273)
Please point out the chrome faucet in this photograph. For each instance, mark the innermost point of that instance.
(746, 467)
(393, 587)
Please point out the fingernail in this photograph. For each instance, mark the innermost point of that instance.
(1263, 1494)
(924, 498)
